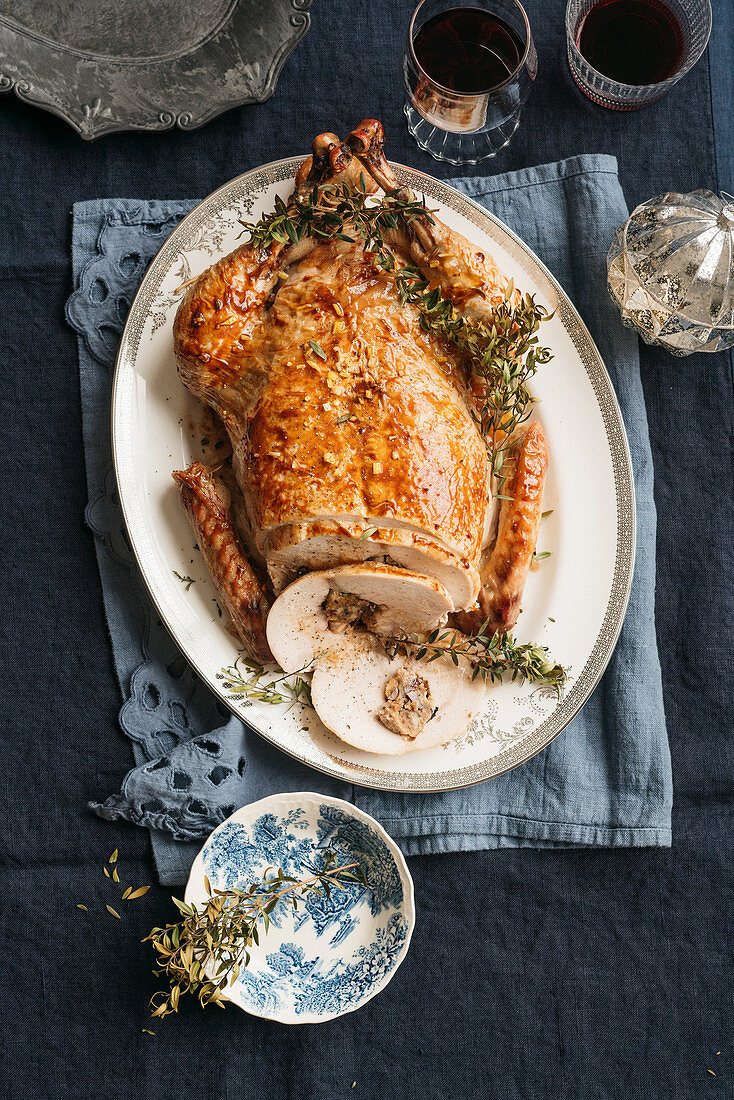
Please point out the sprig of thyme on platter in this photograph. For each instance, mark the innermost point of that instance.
(205, 952)
(245, 678)
(503, 356)
(491, 656)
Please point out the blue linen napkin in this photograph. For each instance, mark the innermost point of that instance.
(605, 781)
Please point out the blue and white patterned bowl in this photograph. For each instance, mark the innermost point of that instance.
(333, 954)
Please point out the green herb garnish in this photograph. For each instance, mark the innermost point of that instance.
(244, 678)
(205, 952)
(316, 347)
(136, 893)
(492, 656)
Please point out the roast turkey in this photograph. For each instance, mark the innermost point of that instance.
(357, 453)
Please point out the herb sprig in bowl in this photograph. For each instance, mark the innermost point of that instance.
(204, 953)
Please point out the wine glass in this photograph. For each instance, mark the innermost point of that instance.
(468, 71)
(646, 45)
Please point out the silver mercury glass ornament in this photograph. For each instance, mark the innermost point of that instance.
(671, 271)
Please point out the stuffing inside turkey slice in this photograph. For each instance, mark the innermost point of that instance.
(408, 704)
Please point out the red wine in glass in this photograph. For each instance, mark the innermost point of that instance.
(467, 73)
(636, 42)
(468, 50)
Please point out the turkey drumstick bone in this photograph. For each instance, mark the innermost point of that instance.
(332, 162)
(465, 274)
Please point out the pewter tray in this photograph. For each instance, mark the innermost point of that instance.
(106, 65)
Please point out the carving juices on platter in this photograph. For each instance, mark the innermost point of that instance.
(380, 514)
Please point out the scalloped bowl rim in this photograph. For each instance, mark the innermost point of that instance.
(274, 803)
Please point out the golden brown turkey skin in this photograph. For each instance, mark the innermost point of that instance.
(214, 326)
(239, 591)
(506, 570)
(337, 403)
(363, 414)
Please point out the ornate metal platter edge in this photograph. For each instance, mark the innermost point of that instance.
(99, 94)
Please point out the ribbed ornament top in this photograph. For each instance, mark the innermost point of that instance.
(671, 271)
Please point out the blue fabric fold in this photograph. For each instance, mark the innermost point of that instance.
(605, 781)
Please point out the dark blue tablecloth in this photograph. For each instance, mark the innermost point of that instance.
(532, 975)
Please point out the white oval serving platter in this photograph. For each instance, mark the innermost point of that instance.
(334, 953)
(574, 603)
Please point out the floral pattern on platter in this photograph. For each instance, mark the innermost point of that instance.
(329, 955)
(208, 240)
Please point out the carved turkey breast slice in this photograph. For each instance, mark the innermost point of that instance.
(328, 620)
(292, 548)
(350, 687)
(320, 611)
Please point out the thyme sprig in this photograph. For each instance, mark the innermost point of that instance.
(326, 211)
(492, 656)
(207, 949)
(503, 356)
(502, 369)
(249, 683)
